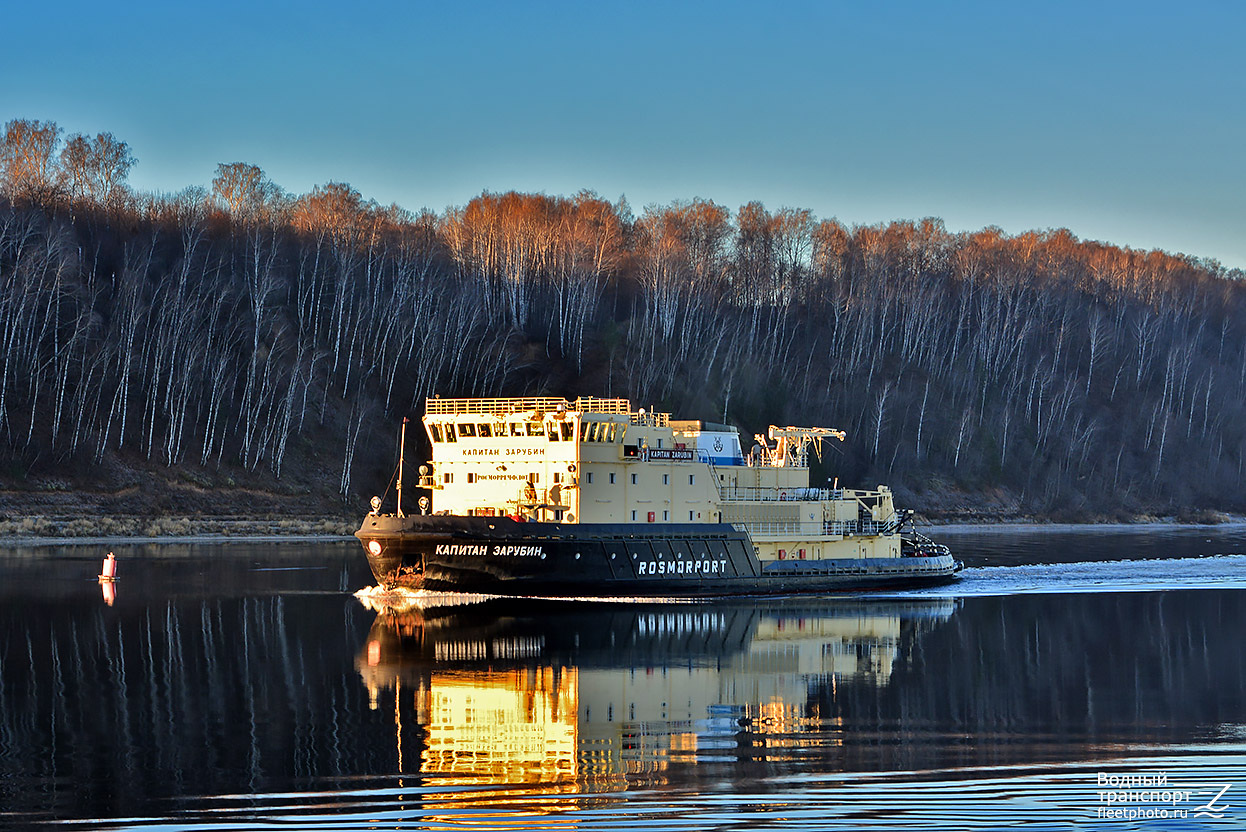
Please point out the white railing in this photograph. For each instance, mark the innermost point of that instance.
(852, 528)
(769, 528)
(546, 404)
(840, 528)
(767, 495)
(657, 420)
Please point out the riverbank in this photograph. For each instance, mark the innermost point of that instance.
(1157, 524)
(69, 530)
(43, 529)
(961, 520)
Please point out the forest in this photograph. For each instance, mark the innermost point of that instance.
(242, 339)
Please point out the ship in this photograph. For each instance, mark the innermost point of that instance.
(550, 497)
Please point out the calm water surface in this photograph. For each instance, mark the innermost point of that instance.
(242, 686)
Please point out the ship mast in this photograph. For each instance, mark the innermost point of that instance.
(402, 450)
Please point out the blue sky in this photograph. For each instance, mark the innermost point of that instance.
(1123, 122)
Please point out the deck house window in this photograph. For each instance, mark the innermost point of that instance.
(633, 479)
(612, 479)
(666, 479)
(692, 479)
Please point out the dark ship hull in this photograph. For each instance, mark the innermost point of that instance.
(500, 556)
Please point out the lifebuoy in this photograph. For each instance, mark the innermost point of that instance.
(782, 495)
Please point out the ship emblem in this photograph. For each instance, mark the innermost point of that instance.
(718, 444)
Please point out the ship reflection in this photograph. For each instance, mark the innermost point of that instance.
(504, 693)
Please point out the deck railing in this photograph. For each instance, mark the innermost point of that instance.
(505, 406)
(767, 495)
(790, 528)
(773, 528)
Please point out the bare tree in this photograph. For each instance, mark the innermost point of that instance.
(245, 191)
(28, 158)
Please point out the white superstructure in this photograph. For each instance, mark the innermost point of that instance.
(598, 461)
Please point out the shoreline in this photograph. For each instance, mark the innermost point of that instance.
(1059, 528)
(132, 531)
(74, 529)
(198, 539)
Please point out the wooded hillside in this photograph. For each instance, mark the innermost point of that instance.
(246, 338)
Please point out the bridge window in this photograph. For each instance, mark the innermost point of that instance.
(450, 437)
(516, 429)
(435, 430)
(484, 431)
(536, 429)
(568, 431)
(467, 429)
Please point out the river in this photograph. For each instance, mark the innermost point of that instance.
(1071, 679)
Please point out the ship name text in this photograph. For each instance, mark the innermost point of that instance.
(503, 452)
(480, 550)
(682, 567)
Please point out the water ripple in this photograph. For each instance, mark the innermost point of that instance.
(1047, 797)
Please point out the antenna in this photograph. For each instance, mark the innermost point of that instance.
(402, 450)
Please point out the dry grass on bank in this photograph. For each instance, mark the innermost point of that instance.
(52, 526)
